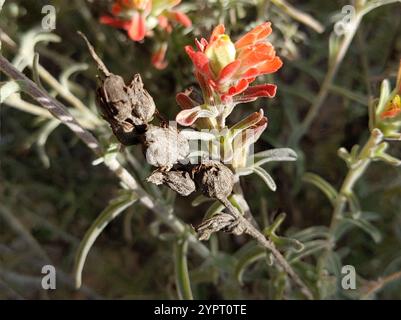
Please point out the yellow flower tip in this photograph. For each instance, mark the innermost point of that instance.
(220, 52)
(397, 100)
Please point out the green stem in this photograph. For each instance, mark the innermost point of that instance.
(328, 80)
(355, 172)
(361, 9)
(298, 15)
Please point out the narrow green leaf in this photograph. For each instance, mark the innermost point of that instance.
(345, 155)
(235, 201)
(285, 243)
(252, 255)
(213, 209)
(333, 264)
(278, 154)
(322, 185)
(334, 45)
(244, 124)
(275, 224)
(265, 177)
(108, 214)
(354, 205)
(311, 233)
(28, 42)
(181, 270)
(385, 157)
(199, 200)
(385, 90)
(42, 137)
(311, 247)
(35, 70)
(366, 226)
(10, 87)
(69, 71)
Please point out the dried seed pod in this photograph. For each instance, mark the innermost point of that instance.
(143, 106)
(177, 180)
(220, 221)
(165, 146)
(128, 109)
(214, 179)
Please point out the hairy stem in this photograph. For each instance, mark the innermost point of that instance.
(375, 286)
(59, 111)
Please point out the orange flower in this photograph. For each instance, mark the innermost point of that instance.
(159, 56)
(393, 108)
(137, 16)
(227, 68)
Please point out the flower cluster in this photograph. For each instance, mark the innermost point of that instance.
(225, 70)
(140, 17)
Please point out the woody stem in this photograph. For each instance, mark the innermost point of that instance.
(269, 245)
(60, 112)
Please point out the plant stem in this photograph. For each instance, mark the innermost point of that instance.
(377, 285)
(298, 15)
(355, 172)
(59, 111)
(334, 65)
(57, 86)
(361, 9)
(268, 244)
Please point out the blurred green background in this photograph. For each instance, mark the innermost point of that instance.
(50, 192)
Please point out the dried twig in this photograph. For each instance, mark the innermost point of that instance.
(237, 224)
(374, 286)
(59, 111)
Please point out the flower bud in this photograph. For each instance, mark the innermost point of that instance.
(220, 53)
(392, 109)
(387, 112)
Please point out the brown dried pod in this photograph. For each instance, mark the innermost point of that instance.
(115, 106)
(214, 179)
(177, 180)
(128, 109)
(130, 106)
(220, 221)
(143, 106)
(165, 147)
